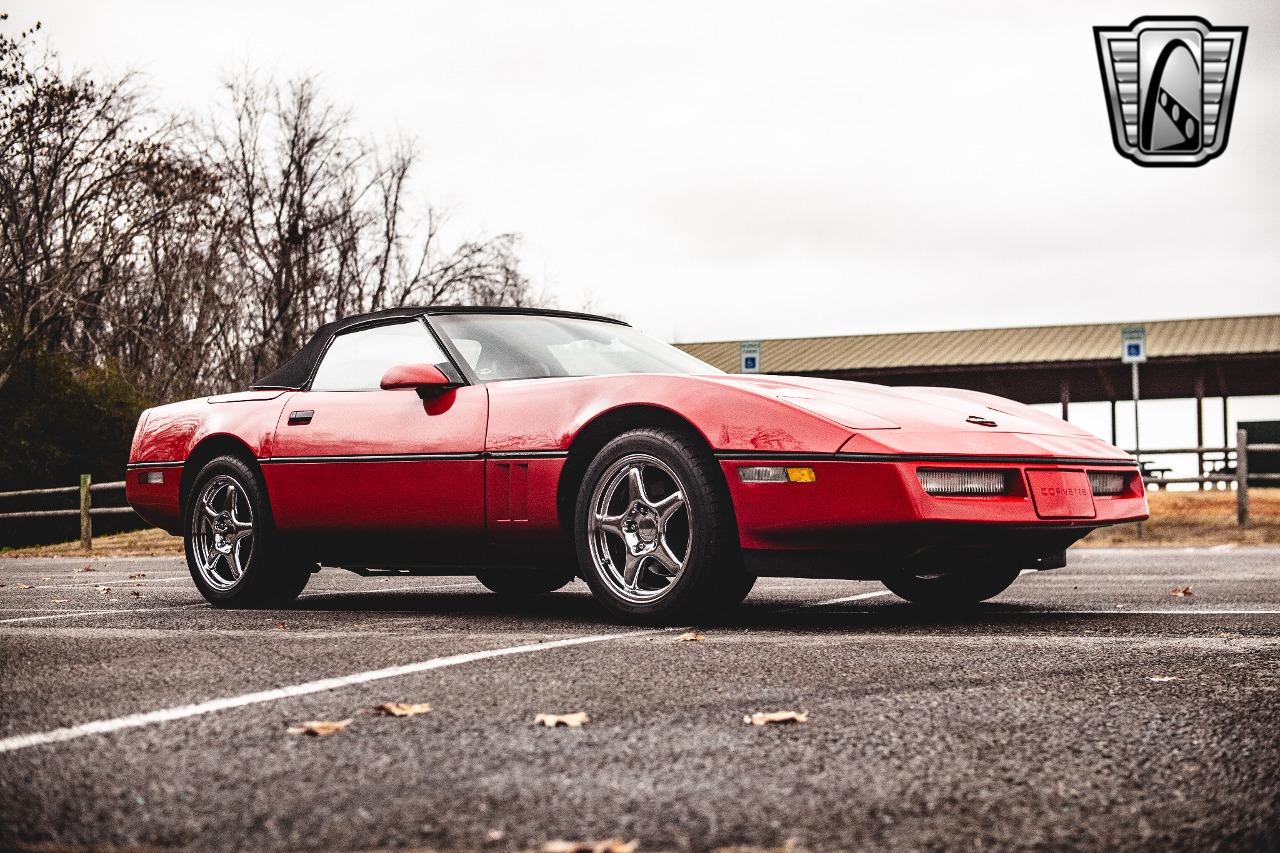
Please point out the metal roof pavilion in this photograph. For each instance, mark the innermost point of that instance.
(1218, 356)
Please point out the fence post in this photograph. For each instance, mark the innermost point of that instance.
(86, 523)
(1242, 478)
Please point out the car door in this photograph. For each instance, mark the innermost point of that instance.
(350, 458)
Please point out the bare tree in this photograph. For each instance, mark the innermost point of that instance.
(194, 256)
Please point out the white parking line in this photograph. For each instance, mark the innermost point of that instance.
(1127, 612)
(118, 582)
(69, 613)
(419, 588)
(167, 714)
(847, 599)
(64, 614)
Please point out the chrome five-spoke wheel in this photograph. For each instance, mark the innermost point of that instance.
(223, 532)
(640, 528)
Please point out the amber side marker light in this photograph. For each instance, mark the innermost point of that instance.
(1107, 484)
(960, 483)
(778, 474)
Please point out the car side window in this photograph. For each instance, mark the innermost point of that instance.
(356, 361)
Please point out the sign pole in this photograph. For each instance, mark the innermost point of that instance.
(1133, 351)
(1137, 441)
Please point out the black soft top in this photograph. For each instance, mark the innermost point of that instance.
(296, 372)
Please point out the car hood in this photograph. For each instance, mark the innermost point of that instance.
(862, 406)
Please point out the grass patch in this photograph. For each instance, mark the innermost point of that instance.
(1199, 518)
(151, 542)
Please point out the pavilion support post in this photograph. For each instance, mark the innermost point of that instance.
(1199, 390)
(1114, 440)
(1226, 423)
(1064, 394)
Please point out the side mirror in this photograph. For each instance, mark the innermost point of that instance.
(426, 379)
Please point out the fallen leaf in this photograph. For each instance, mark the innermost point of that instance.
(23, 586)
(402, 709)
(46, 579)
(494, 835)
(1181, 591)
(138, 575)
(280, 626)
(1159, 678)
(319, 728)
(104, 590)
(609, 845)
(88, 569)
(573, 720)
(763, 718)
(135, 593)
(690, 637)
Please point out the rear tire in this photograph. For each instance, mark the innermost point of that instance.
(655, 531)
(951, 589)
(525, 582)
(233, 551)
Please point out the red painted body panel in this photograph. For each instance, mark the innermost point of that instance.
(522, 500)
(546, 414)
(348, 495)
(488, 493)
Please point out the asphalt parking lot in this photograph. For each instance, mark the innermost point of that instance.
(1084, 708)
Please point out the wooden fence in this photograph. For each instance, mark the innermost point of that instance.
(86, 511)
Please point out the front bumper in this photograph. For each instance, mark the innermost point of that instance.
(861, 504)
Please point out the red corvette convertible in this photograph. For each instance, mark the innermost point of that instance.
(526, 447)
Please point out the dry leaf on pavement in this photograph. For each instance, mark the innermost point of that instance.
(320, 728)
(690, 637)
(402, 709)
(105, 590)
(135, 593)
(23, 586)
(1164, 678)
(775, 717)
(134, 577)
(1181, 591)
(573, 720)
(609, 845)
(88, 569)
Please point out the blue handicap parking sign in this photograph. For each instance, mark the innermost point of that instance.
(749, 362)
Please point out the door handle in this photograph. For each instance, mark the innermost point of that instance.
(301, 418)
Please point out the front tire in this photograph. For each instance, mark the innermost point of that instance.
(951, 589)
(655, 532)
(232, 548)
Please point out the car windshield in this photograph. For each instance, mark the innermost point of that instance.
(531, 346)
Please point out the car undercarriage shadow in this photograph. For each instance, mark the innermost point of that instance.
(578, 608)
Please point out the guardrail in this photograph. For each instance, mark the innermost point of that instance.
(86, 511)
(1240, 476)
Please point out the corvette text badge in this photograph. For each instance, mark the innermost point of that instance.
(1170, 84)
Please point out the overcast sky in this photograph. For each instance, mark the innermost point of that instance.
(747, 170)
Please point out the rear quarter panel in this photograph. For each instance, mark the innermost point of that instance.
(167, 435)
